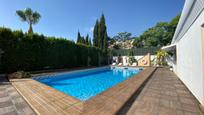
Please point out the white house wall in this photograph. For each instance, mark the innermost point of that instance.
(189, 59)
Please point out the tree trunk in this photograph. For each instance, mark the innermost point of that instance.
(30, 31)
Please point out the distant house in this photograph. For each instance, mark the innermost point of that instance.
(187, 48)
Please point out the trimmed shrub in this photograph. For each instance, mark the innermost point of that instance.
(30, 52)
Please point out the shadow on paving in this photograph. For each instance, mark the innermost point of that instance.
(163, 93)
(4, 80)
(125, 108)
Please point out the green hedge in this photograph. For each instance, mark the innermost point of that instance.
(36, 52)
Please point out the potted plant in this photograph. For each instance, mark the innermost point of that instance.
(161, 54)
(132, 60)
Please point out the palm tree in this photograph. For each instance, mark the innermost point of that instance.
(29, 16)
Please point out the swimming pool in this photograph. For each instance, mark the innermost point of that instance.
(84, 84)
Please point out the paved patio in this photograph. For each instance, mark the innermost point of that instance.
(164, 94)
(11, 103)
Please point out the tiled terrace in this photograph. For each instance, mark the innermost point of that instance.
(11, 102)
(164, 94)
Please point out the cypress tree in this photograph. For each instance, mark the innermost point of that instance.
(100, 37)
(78, 37)
(82, 40)
(87, 39)
(90, 44)
(105, 41)
(103, 33)
(95, 34)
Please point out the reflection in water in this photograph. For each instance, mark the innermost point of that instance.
(126, 73)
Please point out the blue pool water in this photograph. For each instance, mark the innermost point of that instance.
(87, 83)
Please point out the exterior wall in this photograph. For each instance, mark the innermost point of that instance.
(189, 65)
(202, 43)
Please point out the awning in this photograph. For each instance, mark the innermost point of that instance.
(169, 47)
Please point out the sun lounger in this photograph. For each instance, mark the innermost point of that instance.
(120, 64)
(134, 64)
(125, 64)
(113, 64)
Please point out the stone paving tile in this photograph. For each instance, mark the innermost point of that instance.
(11, 102)
(165, 94)
(6, 104)
(8, 109)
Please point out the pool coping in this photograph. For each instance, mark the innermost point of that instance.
(50, 75)
(44, 99)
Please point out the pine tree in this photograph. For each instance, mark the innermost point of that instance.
(95, 34)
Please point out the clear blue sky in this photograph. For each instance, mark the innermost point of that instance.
(63, 18)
